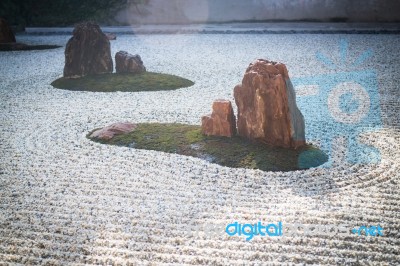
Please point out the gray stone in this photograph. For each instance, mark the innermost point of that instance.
(87, 52)
(128, 63)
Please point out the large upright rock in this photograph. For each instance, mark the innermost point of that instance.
(6, 34)
(267, 110)
(128, 63)
(87, 52)
(221, 122)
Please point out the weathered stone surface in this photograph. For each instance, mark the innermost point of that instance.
(6, 34)
(128, 63)
(87, 52)
(221, 122)
(267, 110)
(113, 130)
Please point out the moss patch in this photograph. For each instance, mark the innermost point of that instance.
(231, 152)
(127, 82)
(25, 47)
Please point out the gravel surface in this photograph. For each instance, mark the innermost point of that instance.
(67, 200)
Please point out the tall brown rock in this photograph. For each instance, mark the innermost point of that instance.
(221, 122)
(6, 34)
(87, 52)
(267, 110)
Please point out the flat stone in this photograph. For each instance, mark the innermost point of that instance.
(108, 132)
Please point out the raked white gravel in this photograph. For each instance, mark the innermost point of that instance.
(67, 200)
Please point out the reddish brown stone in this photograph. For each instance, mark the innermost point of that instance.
(221, 122)
(6, 34)
(108, 132)
(128, 63)
(267, 110)
(87, 52)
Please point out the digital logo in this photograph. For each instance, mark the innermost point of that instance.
(341, 105)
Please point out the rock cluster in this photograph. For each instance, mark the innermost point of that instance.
(6, 34)
(221, 122)
(128, 63)
(87, 52)
(108, 132)
(267, 110)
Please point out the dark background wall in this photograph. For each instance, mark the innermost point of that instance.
(126, 12)
(199, 11)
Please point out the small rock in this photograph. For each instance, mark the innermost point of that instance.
(267, 110)
(87, 52)
(6, 34)
(221, 122)
(111, 36)
(128, 63)
(115, 129)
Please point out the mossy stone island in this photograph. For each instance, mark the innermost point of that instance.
(125, 82)
(235, 152)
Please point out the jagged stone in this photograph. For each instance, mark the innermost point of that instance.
(221, 122)
(267, 110)
(87, 52)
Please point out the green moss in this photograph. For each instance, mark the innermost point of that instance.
(127, 82)
(232, 152)
(194, 135)
(4, 47)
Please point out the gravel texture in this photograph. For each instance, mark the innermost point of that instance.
(67, 200)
